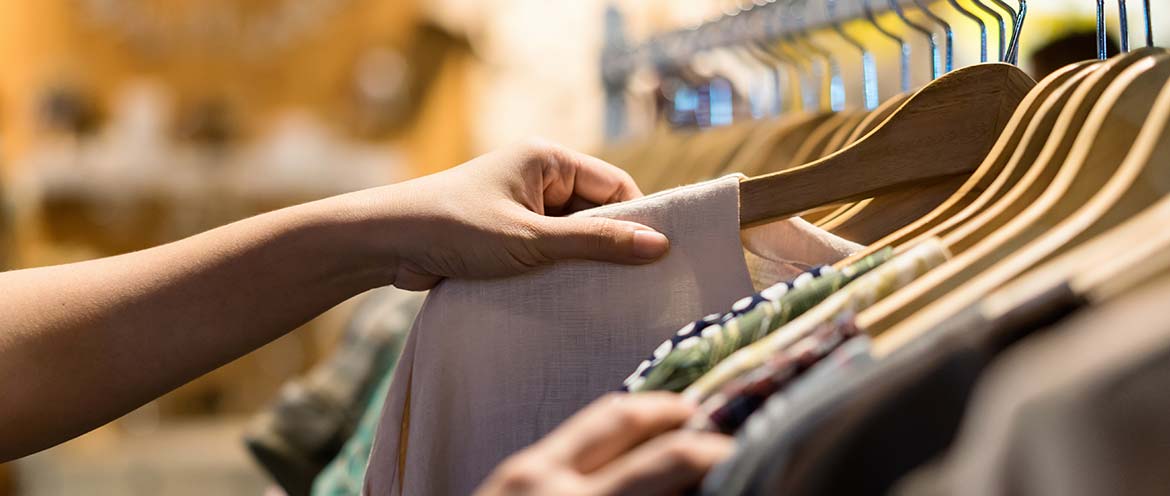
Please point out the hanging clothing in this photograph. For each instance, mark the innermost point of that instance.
(493, 365)
(1080, 410)
(393, 310)
(777, 418)
(862, 293)
(710, 326)
(782, 251)
(726, 411)
(912, 399)
(313, 416)
(700, 346)
(346, 473)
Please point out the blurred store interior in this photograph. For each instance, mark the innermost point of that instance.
(129, 123)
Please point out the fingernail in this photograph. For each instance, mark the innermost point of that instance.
(650, 244)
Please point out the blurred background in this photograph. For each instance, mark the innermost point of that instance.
(129, 123)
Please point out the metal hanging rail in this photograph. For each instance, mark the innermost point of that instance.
(675, 47)
(620, 59)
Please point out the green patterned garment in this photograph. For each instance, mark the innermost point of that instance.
(694, 357)
(346, 474)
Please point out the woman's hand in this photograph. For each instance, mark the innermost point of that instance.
(501, 214)
(620, 444)
(84, 343)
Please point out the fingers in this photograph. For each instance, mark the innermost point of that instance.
(665, 465)
(615, 446)
(612, 425)
(570, 174)
(604, 240)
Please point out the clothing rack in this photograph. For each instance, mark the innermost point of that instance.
(761, 23)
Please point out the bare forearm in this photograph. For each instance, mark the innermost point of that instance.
(81, 344)
(86, 342)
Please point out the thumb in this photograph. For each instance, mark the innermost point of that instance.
(604, 240)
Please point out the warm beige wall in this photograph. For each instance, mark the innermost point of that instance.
(48, 39)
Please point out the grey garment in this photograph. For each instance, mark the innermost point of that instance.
(313, 416)
(760, 443)
(1082, 410)
(876, 425)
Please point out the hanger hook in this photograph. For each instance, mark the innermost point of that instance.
(903, 47)
(1149, 25)
(979, 21)
(1102, 51)
(802, 36)
(767, 97)
(803, 65)
(1002, 27)
(755, 27)
(1013, 16)
(948, 34)
(869, 90)
(1014, 48)
(1123, 21)
(934, 56)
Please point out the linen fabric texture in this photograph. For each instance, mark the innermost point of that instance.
(492, 366)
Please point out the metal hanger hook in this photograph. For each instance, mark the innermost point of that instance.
(1014, 48)
(1002, 27)
(1149, 25)
(979, 22)
(948, 34)
(903, 47)
(869, 89)
(1123, 21)
(777, 27)
(1102, 50)
(935, 69)
(832, 68)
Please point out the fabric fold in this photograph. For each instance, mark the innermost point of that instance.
(492, 366)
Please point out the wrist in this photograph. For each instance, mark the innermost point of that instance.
(354, 237)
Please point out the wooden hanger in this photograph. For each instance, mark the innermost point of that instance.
(875, 219)
(643, 158)
(1036, 177)
(1096, 154)
(944, 130)
(869, 221)
(672, 152)
(835, 143)
(987, 184)
(872, 121)
(780, 136)
(815, 146)
(705, 152)
(1056, 146)
(1138, 186)
(1109, 265)
(877, 117)
(1102, 268)
(840, 138)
